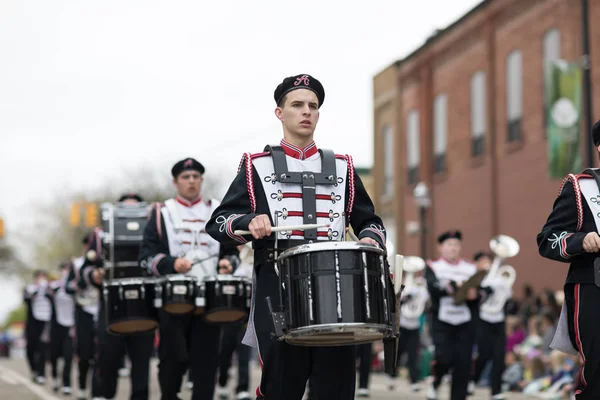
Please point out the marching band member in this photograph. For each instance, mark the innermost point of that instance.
(232, 340)
(185, 340)
(39, 312)
(331, 191)
(61, 330)
(491, 333)
(570, 235)
(86, 311)
(412, 304)
(452, 326)
(111, 349)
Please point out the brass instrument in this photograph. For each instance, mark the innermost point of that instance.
(500, 277)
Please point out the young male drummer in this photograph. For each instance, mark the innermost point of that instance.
(452, 326)
(295, 184)
(111, 349)
(185, 340)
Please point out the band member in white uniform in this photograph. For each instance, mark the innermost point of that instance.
(491, 329)
(62, 331)
(86, 311)
(111, 349)
(412, 305)
(452, 326)
(232, 340)
(186, 341)
(38, 299)
(321, 187)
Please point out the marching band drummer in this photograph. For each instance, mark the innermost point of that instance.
(330, 191)
(111, 349)
(232, 340)
(490, 334)
(185, 340)
(452, 326)
(86, 312)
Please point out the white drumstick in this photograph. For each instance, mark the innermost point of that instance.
(286, 228)
(398, 266)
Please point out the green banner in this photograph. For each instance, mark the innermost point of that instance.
(562, 91)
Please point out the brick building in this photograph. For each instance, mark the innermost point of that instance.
(465, 114)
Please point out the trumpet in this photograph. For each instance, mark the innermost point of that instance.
(415, 307)
(502, 277)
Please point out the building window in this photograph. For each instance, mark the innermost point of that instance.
(413, 148)
(551, 53)
(514, 95)
(388, 162)
(478, 118)
(440, 132)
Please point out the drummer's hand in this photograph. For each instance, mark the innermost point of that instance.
(225, 267)
(472, 293)
(591, 242)
(98, 275)
(260, 226)
(368, 240)
(182, 265)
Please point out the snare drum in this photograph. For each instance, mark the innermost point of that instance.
(335, 294)
(179, 294)
(129, 305)
(227, 298)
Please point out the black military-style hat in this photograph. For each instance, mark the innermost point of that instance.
(481, 254)
(302, 81)
(185, 165)
(131, 196)
(596, 133)
(451, 234)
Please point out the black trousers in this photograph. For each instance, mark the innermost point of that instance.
(582, 312)
(111, 353)
(286, 368)
(409, 342)
(365, 355)
(188, 341)
(453, 350)
(61, 346)
(491, 344)
(232, 341)
(36, 348)
(85, 343)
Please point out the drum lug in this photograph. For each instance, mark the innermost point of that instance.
(278, 319)
(120, 292)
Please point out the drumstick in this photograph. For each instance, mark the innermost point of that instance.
(286, 228)
(398, 266)
(352, 236)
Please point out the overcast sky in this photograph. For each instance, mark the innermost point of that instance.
(91, 88)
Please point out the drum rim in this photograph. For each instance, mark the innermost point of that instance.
(143, 280)
(322, 246)
(225, 277)
(179, 277)
(305, 331)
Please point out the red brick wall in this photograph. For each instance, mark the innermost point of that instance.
(464, 195)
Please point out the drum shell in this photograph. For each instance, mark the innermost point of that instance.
(129, 309)
(313, 275)
(228, 295)
(179, 294)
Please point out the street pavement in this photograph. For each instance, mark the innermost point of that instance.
(15, 383)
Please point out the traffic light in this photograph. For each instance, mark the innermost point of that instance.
(91, 215)
(1, 228)
(75, 215)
